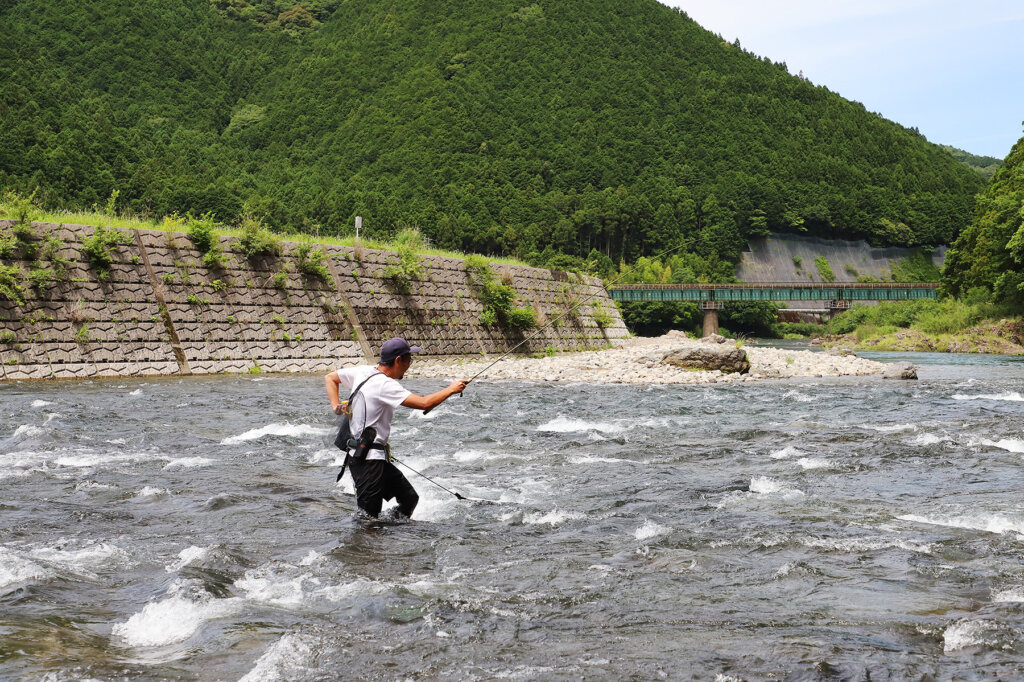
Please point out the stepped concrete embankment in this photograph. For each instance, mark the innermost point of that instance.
(641, 361)
(160, 311)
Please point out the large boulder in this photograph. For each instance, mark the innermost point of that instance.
(900, 370)
(709, 357)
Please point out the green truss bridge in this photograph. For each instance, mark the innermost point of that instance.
(712, 297)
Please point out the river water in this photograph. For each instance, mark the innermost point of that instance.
(190, 528)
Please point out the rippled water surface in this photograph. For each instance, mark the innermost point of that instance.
(816, 529)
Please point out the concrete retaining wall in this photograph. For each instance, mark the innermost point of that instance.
(161, 312)
(776, 258)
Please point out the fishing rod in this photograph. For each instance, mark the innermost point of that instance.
(512, 350)
(570, 310)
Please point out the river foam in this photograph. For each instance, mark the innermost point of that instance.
(561, 424)
(988, 522)
(286, 430)
(1008, 444)
(289, 658)
(763, 485)
(786, 452)
(1010, 396)
(650, 530)
(175, 618)
(17, 570)
(1011, 595)
(969, 633)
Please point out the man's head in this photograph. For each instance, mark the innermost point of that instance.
(396, 353)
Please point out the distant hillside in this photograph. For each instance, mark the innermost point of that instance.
(504, 127)
(986, 166)
(990, 252)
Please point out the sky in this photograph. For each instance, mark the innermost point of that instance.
(954, 69)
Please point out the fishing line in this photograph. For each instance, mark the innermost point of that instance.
(461, 497)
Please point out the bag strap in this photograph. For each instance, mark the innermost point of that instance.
(361, 384)
(350, 397)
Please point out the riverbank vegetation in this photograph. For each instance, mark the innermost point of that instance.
(989, 253)
(256, 239)
(947, 325)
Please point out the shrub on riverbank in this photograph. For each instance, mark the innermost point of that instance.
(930, 316)
(800, 330)
(926, 324)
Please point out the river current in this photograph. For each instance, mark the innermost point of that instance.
(191, 528)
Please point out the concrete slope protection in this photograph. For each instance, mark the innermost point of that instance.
(790, 258)
(160, 311)
(787, 258)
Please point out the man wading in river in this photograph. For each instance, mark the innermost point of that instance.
(375, 393)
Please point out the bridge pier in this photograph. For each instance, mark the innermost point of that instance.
(710, 309)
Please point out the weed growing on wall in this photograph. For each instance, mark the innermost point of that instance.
(97, 249)
(601, 316)
(281, 279)
(310, 262)
(824, 269)
(409, 267)
(497, 298)
(41, 277)
(917, 267)
(20, 241)
(570, 303)
(257, 242)
(10, 284)
(8, 244)
(203, 233)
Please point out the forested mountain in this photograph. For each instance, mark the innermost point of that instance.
(501, 127)
(990, 252)
(985, 165)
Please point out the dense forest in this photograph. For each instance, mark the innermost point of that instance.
(986, 166)
(549, 130)
(988, 257)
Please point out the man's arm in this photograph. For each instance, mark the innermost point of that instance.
(331, 383)
(429, 402)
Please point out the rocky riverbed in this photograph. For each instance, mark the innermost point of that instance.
(639, 361)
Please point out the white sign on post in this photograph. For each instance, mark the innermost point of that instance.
(359, 223)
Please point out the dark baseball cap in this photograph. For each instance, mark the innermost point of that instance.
(396, 347)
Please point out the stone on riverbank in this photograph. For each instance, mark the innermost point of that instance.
(638, 361)
(900, 370)
(709, 358)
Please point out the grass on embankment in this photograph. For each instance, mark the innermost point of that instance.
(949, 325)
(14, 207)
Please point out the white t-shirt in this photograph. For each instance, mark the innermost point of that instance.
(375, 405)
